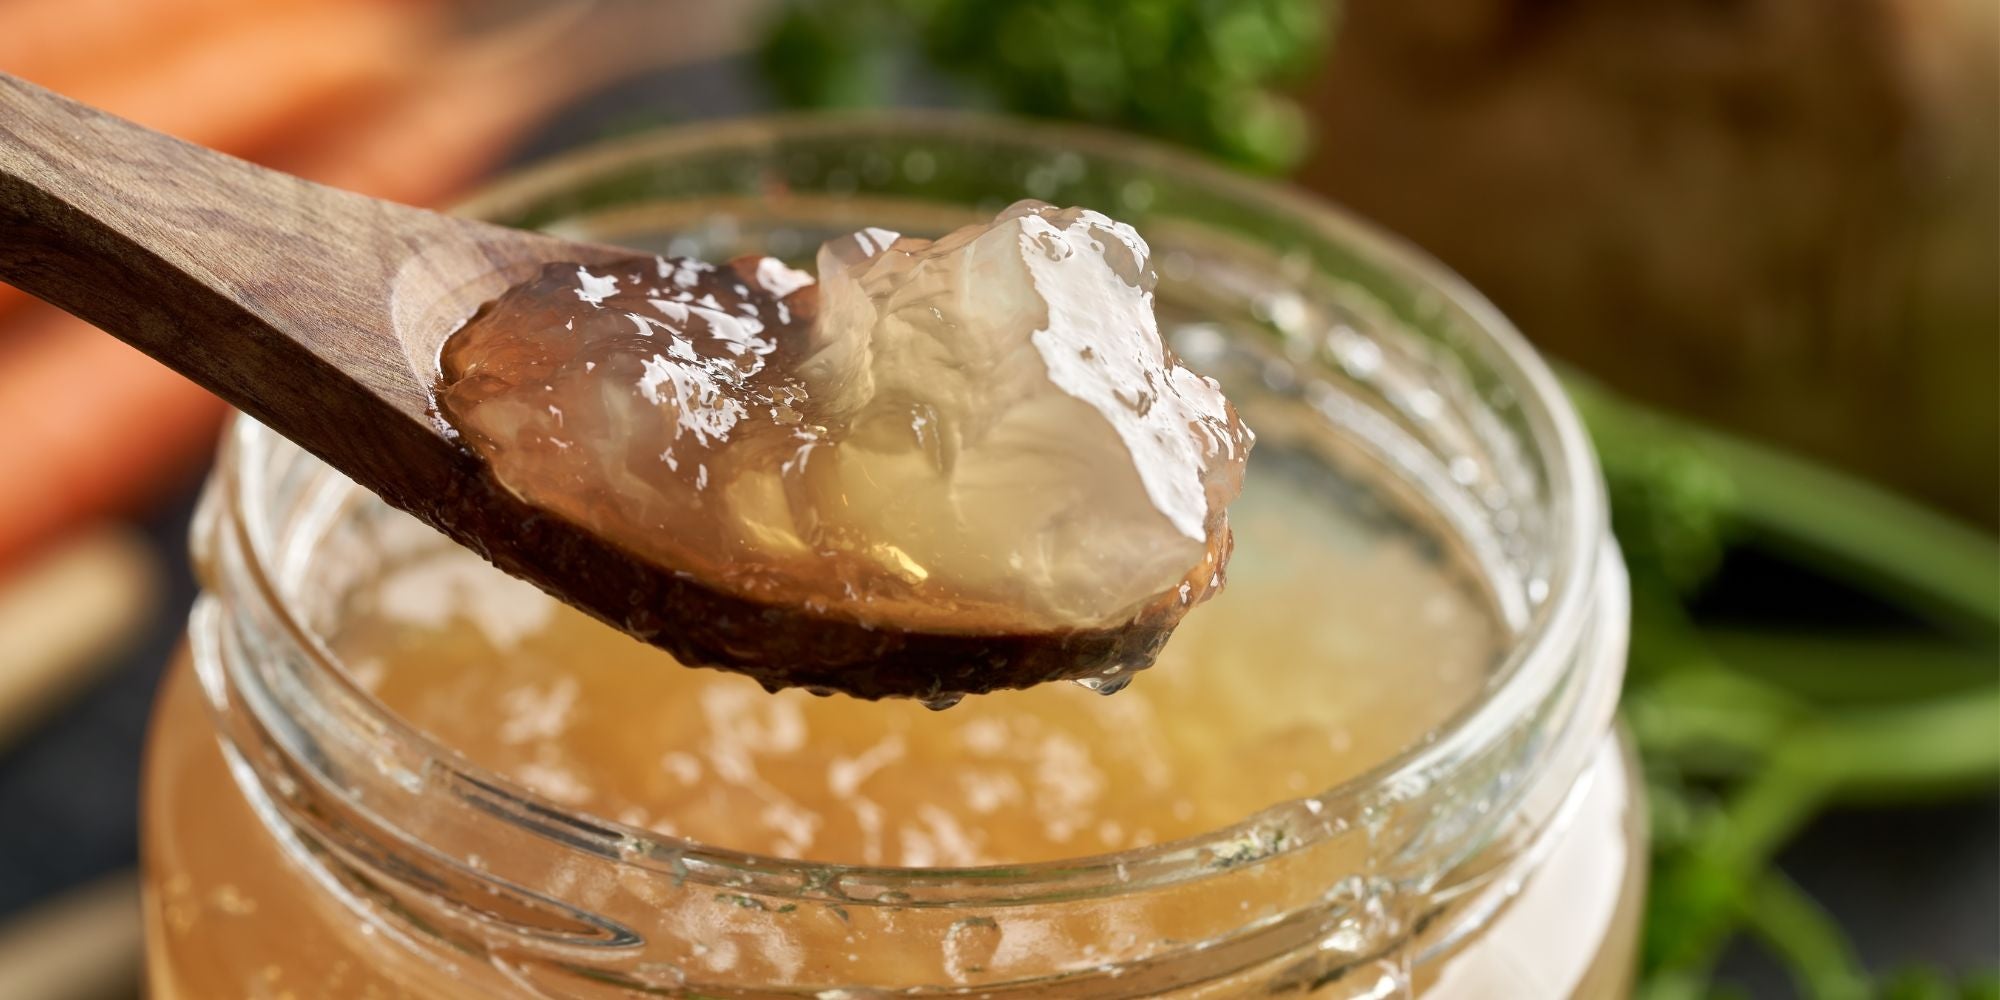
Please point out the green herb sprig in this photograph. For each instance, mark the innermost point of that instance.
(1205, 73)
(1748, 733)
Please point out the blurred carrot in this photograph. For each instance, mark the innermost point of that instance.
(244, 79)
(233, 85)
(251, 76)
(93, 428)
(428, 136)
(53, 41)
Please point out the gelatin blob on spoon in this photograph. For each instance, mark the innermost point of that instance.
(946, 467)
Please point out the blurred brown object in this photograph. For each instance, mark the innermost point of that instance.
(1779, 215)
(92, 428)
(64, 617)
(82, 945)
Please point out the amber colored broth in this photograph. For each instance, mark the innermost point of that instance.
(1337, 642)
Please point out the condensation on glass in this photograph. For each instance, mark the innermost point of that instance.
(1379, 764)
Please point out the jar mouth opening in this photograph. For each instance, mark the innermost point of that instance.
(1542, 644)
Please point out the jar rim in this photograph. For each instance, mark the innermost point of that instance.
(1542, 649)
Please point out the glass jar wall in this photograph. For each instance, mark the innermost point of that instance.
(1381, 764)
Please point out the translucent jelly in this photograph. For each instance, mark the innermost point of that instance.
(1226, 724)
(978, 434)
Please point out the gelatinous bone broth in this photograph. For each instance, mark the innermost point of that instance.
(981, 434)
(1336, 643)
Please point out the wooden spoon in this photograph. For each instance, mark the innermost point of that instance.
(321, 313)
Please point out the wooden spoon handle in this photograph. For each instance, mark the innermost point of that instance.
(218, 268)
(317, 311)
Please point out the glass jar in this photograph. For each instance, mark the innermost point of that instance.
(303, 840)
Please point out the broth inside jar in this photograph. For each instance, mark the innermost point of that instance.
(1345, 634)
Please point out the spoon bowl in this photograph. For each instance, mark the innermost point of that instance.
(321, 313)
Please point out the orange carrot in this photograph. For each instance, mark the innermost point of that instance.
(420, 148)
(430, 136)
(251, 77)
(52, 42)
(92, 427)
(247, 78)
